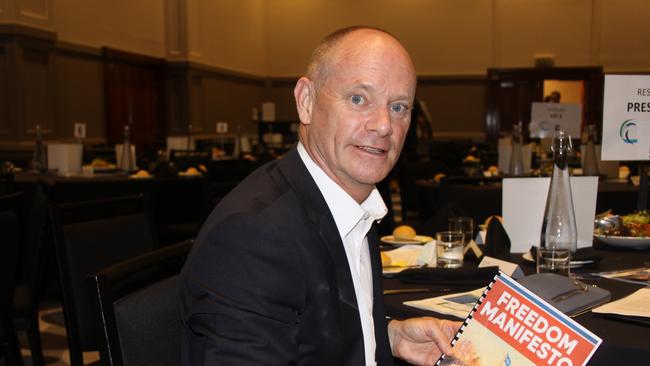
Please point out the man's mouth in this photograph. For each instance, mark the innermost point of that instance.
(372, 150)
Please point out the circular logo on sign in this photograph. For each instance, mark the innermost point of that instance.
(627, 132)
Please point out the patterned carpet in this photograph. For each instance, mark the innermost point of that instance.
(53, 337)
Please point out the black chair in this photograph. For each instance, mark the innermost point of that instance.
(138, 302)
(27, 290)
(90, 236)
(10, 217)
(476, 201)
(7, 183)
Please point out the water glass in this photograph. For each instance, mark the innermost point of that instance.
(465, 225)
(553, 261)
(449, 249)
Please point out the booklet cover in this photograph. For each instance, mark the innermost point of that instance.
(510, 325)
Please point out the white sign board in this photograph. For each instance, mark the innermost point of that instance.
(545, 116)
(626, 118)
(80, 130)
(523, 222)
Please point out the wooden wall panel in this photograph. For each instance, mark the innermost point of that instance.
(78, 94)
(34, 88)
(280, 92)
(7, 120)
(231, 99)
(456, 105)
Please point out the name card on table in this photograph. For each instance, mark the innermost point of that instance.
(626, 118)
(509, 268)
(524, 201)
(545, 116)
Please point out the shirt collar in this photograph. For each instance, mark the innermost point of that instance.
(345, 210)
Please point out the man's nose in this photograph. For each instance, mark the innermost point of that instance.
(380, 122)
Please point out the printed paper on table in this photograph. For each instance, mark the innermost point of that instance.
(510, 325)
(626, 118)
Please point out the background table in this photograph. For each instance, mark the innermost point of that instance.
(623, 343)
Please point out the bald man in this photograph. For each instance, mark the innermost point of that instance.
(286, 270)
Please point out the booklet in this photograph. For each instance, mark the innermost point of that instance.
(510, 325)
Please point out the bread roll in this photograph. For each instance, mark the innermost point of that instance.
(404, 232)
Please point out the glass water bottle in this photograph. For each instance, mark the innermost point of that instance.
(589, 164)
(126, 160)
(39, 163)
(559, 227)
(516, 157)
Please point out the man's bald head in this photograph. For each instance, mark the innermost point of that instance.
(323, 56)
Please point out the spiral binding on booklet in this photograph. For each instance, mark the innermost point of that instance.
(471, 314)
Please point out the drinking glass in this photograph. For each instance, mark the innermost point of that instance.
(553, 261)
(465, 225)
(449, 249)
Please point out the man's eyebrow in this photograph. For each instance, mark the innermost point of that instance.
(369, 88)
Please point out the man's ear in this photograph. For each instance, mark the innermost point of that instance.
(304, 95)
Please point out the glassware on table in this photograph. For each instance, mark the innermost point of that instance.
(589, 163)
(449, 249)
(39, 162)
(559, 233)
(464, 225)
(126, 161)
(516, 167)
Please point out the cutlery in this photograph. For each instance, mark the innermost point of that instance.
(581, 287)
(405, 291)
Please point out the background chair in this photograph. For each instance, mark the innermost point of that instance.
(10, 209)
(138, 302)
(90, 236)
(28, 287)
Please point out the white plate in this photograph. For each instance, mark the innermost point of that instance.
(574, 264)
(419, 239)
(625, 241)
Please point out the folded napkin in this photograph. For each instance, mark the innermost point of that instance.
(497, 242)
(581, 255)
(412, 255)
(459, 277)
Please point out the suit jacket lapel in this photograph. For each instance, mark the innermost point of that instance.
(319, 214)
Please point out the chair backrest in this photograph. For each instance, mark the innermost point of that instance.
(32, 254)
(90, 236)
(10, 240)
(476, 201)
(139, 305)
(7, 184)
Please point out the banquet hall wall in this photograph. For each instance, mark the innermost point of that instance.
(222, 58)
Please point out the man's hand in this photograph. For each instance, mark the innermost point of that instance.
(421, 341)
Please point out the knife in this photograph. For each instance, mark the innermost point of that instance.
(405, 291)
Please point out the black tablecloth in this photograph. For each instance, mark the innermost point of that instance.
(623, 343)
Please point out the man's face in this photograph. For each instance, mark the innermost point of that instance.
(361, 112)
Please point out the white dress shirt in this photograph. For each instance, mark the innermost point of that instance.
(353, 221)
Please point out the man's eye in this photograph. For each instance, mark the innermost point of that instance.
(357, 99)
(398, 108)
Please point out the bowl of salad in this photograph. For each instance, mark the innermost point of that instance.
(630, 231)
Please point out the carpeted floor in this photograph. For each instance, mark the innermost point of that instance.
(53, 338)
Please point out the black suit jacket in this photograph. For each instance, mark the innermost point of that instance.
(268, 282)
